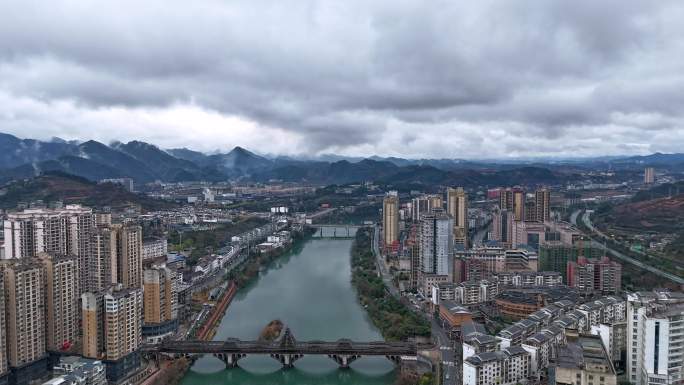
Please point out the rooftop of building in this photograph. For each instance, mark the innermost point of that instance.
(478, 338)
(564, 303)
(584, 350)
(669, 311)
(117, 293)
(538, 338)
(523, 248)
(454, 307)
(470, 327)
(518, 297)
(565, 321)
(475, 283)
(510, 331)
(660, 295)
(539, 315)
(447, 285)
(499, 355)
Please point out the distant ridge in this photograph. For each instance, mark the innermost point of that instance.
(145, 162)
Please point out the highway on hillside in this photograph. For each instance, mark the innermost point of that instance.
(587, 222)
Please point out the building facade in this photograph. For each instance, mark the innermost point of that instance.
(542, 205)
(436, 242)
(3, 327)
(25, 312)
(155, 248)
(599, 275)
(92, 324)
(519, 205)
(649, 175)
(129, 255)
(62, 301)
(504, 367)
(655, 338)
(103, 262)
(555, 255)
(502, 227)
(160, 300)
(390, 219)
(457, 207)
(583, 361)
(122, 322)
(63, 231)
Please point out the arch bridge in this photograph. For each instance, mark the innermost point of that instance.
(287, 349)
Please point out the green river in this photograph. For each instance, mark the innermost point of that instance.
(310, 290)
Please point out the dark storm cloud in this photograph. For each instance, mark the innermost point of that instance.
(487, 78)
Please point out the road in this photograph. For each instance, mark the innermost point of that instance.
(450, 361)
(382, 268)
(321, 213)
(573, 217)
(587, 222)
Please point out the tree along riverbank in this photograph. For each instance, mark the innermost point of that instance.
(394, 319)
(249, 270)
(241, 275)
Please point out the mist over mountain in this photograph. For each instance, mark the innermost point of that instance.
(145, 162)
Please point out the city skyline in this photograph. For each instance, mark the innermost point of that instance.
(355, 79)
(341, 192)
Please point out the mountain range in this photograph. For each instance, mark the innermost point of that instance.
(144, 162)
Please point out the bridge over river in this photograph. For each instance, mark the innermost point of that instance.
(287, 350)
(341, 231)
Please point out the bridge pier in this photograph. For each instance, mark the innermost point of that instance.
(287, 359)
(230, 359)
(395, 359)
(343, 360)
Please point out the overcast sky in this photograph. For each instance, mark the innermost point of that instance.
(452, 79)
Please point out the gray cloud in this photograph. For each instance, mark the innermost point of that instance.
(407, 78)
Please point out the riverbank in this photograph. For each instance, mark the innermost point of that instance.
(241, 276)
(207, 331)
(394, 319)
(309, 289)
(249, 270)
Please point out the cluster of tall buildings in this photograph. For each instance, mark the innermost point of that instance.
(434, 232)
(582, 266)
(73, 282)
(595, 275)
(516, 212)
(430, 234)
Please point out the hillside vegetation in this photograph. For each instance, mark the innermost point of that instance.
(56, 186)
(394, 319)
(661, 214)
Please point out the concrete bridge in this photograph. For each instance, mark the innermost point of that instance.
(342, 231)
(287, 350)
